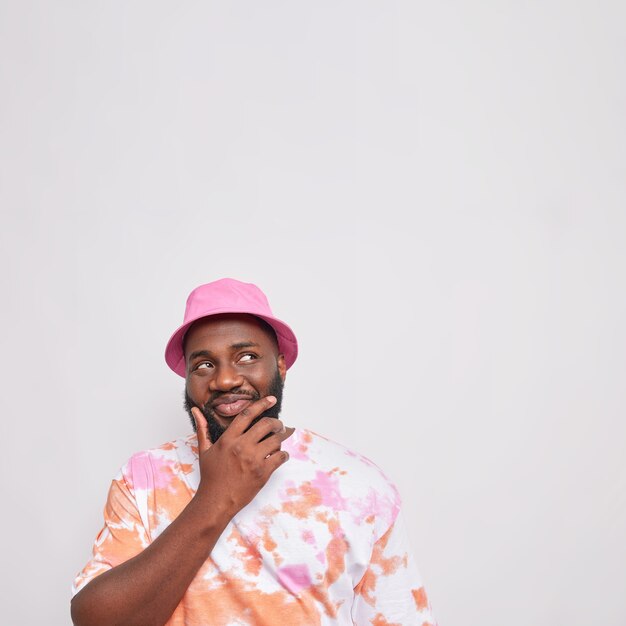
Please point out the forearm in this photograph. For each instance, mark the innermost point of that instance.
(146, 589)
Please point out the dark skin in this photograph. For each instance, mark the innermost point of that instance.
(234, 358)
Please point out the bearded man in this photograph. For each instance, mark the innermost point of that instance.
(246, 522)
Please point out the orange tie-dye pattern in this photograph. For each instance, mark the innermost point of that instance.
(421, 601)
(318, 546)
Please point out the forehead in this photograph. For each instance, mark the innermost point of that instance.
(220, 331)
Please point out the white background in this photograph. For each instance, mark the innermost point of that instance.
(431, 195)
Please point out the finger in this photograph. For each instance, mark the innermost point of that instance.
(243, 420)
(274, 442)
(274, 461)
(264, 427)
(202, 429)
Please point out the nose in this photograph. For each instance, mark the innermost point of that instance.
(225, 378)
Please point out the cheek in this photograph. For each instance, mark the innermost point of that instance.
(263, 379)
(196, 388)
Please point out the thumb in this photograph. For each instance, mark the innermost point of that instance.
(202, 429)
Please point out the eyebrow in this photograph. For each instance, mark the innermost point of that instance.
(234, 346)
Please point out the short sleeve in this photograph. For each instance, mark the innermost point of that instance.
(122, 537)
(391, 591)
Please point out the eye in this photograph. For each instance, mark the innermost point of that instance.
(248, 357)
(204, 365)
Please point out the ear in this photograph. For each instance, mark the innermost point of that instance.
(282, 368)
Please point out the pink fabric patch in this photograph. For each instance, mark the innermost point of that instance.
(297, 446)
(328, 486)
(299, 452)
(308, 537)
(150, 471)
(294, 577)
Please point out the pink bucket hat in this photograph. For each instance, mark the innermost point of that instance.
(228, 296)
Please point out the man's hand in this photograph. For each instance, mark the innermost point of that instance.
(145, 590)
(235, 468)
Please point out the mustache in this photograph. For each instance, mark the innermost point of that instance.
(253, 396)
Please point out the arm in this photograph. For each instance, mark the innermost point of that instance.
(147, 588)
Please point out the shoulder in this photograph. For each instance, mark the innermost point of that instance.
(311, 446)
(158, 466)
(338, 469)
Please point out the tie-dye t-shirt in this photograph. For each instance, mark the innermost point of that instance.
(323, 543)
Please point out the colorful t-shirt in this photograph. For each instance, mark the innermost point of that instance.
(322, 544)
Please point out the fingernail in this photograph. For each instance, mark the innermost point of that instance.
(272, 399)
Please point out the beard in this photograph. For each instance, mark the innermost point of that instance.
(216, 430)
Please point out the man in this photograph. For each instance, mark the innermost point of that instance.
(247, 522)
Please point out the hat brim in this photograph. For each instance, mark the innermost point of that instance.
(175, 357)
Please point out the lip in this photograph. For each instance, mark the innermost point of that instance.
(231, 405)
